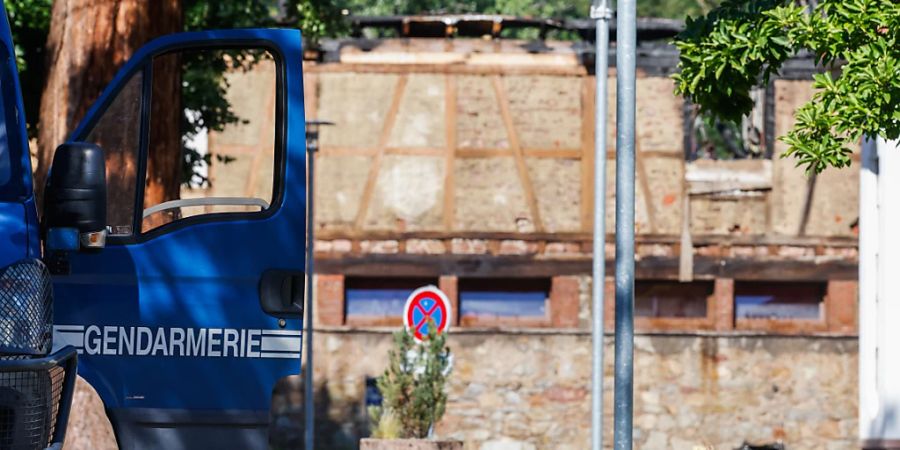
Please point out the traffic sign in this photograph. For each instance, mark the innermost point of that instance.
(426, 303)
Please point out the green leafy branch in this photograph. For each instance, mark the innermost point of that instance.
(743, 43)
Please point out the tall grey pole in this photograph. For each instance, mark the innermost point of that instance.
(309, 413)
(601, 13)
(626, 43)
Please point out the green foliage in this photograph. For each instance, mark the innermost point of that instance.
(211, 14)
(413, 386)
(317, 18)
(744, 42)
(29, 21)
(673, 8)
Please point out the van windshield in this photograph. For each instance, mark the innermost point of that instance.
(11, 186)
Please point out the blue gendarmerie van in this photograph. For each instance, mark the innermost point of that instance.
(183, 312)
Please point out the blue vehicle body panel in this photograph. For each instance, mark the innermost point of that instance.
(197, 277)
(18, 217)
(19, 237)
(13, 233)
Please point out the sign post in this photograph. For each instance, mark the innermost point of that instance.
(602, 14)
(312, 145)
(425, 306)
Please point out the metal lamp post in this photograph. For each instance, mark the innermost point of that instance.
(601, 12)
(626, 54)
(312, 145)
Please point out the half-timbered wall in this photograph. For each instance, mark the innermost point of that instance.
(469, 152)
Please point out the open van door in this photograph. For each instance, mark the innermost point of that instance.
(191, 313)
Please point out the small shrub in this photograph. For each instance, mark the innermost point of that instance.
(412, 387)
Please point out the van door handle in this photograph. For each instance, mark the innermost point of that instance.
(281, 293)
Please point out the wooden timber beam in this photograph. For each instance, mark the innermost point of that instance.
(514, 144)
(588, 111)
(375, 168)
(514, 266)
(699, 240)
(450, 161)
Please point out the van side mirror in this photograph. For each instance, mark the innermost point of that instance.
(75, 198)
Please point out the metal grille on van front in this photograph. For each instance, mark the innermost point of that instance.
(26, 309)
(29, 406)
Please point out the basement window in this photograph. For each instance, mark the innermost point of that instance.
(379, 301)
(504, 301)
(672, 299)
(779, 300)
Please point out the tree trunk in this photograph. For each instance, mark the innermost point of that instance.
(164, 146)
(89, 41)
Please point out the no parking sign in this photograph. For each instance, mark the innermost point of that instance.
(424, 305)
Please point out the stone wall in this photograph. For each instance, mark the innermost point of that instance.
(530, 390)
(514, 388)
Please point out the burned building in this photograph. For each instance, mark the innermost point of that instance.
(463, 157)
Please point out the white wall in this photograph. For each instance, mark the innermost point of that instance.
(879, 293)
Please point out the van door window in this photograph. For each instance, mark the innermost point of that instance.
(211, 142)
(117, 132)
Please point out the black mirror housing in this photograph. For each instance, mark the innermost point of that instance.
(75, 194)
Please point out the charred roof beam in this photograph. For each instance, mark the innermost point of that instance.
(492, 25)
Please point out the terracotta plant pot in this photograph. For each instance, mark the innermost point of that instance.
(409, 444)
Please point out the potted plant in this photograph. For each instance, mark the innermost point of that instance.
(413, 388)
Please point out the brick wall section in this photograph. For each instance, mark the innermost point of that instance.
(723, 304)
(469, 246)
(426, 246)
(450, 286)
(841, 306)
(517, 247)
(330, 300)
(389, 246)
(609, 305)
(564, 306)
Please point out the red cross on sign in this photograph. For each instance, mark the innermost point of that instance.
(426, 305)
